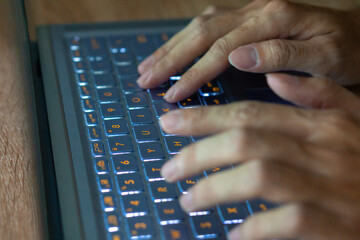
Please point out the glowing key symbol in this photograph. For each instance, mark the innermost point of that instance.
(205, 225)
(263, 207)
(175, 234)
(134, 203)
(150, 150)
(145, 133)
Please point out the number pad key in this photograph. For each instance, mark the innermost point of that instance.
(157, 94)
(105, 183)
(162, 190)
(211, 89)
(121, 144)
(108, 202)
(205, 226)
(135, 205)
(108, 95)
(190, 102)
(140, 227)
(125, 163)
(146, 133)
(94, 133)
(136, 100)
(98, 148)
(141, 116)
(112, 110)
(127, 71)
(260, 205)
(152, 170)
(151, 150)
(215, 100)
(174, 143)
(130, 183)
(112, 222)
(130, 85)
(185, 184)
(104, 80)
(116, 126)
(101, 165)
(169, 211)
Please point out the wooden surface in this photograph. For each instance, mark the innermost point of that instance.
(20, 202)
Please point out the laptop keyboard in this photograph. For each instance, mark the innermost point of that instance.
(128, 147)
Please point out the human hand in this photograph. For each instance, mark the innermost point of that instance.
(308, 159)
(264, 36)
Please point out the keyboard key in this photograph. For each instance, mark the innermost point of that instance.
(190, 102)
(118, 42)
(129, 85)
(233, 213)
(140, 227)
(104, 80)
(185, 184)
(164, 107)
(121, 144)
(141, 116)
(98, 148)
(130, 183)
(146, 133)
(157, 94)
(82, 79)
(144, 46)
(125, 163)
(175, 143)
(152, 170)
(259, 205)
(215, 100)
(212, 88)
(85, 91)
(205, 226)
(80, 67)
(151, 150)
(94, 133)
(102, 65)
(108, 202)
(77, 55)
(127, 71)
(136, 100)
(176, 232)
(112, 110)
(91, 119)
(116, 126)
(101, 165)
(108, 95)
(162, 191)
(135, 205)
(124, 56)
(112, 222)
(105, 183)
(96, 47)
(169, 212)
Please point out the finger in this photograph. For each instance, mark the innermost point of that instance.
(277, 182)
(294, 221)
(317, 93)
(275, 55)
(239, 145)
(198, 40)
(215, 60)
(210, 120)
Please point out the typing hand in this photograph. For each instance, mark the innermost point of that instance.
(308, 159)
(264, 36)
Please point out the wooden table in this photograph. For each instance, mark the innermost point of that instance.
(21, 215)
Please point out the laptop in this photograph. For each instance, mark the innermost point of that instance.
(100, 141)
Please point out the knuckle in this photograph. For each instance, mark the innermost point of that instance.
(221, 47)
(261, 175)
(277, 6)
(246, 112)
(299, 223)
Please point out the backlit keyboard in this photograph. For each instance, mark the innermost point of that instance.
(128, 147)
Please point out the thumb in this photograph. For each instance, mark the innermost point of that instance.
(320, 93)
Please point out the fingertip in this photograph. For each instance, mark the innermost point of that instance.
(235, 234)
(281, 83)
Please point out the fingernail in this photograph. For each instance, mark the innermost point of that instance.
(144, 77)
(186, 201)
(168, 171)
(244, 58)
(288, 79)
(144, 65)
(170, 93)
(171, 121)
